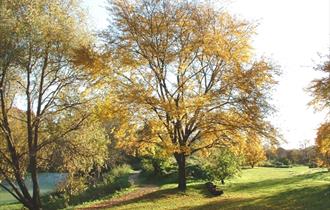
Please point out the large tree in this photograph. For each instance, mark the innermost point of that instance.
(184, 69)
(39, 38)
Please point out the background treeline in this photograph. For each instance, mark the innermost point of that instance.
(286, 157)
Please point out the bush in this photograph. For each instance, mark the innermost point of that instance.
(284, 161)
(117, 172)
(117, 179)
(312, 165)
(223, 164)
(283, 166)
(147, 166)
(156, 166)
(281, 163)
(197, 172)
(72, 185)
(267, 163)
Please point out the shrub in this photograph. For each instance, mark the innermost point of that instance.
(284, 161)
(223, 164)
(197, 172)
(156, 166)
(72, 185)
(267, 163)
(118, 172)
(101, 190)
(146, 166)
(75, 191)
(283, 166)
(312, 165)
(280, 163)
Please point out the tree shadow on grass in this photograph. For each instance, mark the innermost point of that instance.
(158, 195)
(269, 183)
(149, 197)
(202, 190)
(310, 198)
(307, 198)
(198, 188)
(222, 203)
(302, 198)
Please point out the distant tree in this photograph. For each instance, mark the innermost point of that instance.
(305, 156)
(223, 164)
(80, 151)
(320, 90)
(270, 152)
(311, 155)
(115, 120)
(323, 145)
(117, 155)
(151, 154)
(281, 153)
(184, 68)
(295, 156)
(254, 152)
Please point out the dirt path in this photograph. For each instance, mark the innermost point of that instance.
(141, 191)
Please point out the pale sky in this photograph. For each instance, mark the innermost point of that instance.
(291, 33)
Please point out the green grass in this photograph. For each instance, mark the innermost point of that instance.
(103, 199)
(258, 188)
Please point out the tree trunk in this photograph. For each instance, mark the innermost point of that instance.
(34, 202)
(34, 169)
(33, 205)
(181, 160)
(156, 166)
(36, 188)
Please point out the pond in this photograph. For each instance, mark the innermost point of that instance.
(47, 181)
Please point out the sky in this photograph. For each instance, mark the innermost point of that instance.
(293, 34)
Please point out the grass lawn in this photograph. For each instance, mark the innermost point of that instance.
(258, 188)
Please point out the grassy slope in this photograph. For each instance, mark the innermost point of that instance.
(259, 188)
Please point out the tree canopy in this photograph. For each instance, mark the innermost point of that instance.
(320, 88)
(186, 70)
